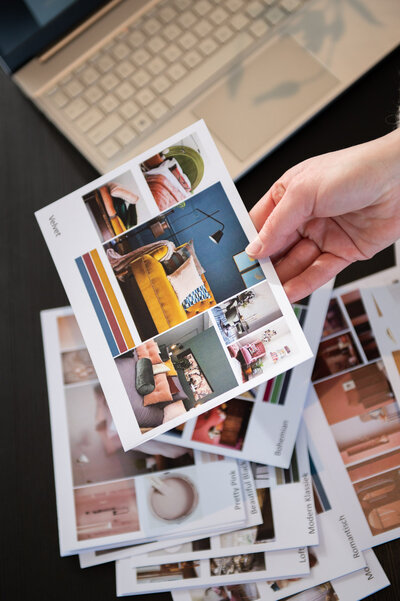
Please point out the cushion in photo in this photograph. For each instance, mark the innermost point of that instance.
(144, 376)
(196, 296)
(178, 394)
(185, 279)
(186, 251)
(172, 370)
(160, 368)
(150, 350)
(173, 410)
(161, 393)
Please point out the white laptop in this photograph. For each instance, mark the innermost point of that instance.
(117, 77)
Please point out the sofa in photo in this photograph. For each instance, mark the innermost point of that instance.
(181, 263)
(179, 370)
(163, 285)
(116, 206)
(164, 397)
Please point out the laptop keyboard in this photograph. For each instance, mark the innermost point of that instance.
(156, 63)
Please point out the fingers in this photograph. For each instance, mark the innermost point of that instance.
(291, 241)
(264, 207)
(324, 268)
(292, 208)
(296, 261)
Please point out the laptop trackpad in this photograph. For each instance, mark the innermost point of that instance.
(263, 96)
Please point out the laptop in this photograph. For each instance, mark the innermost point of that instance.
(117, 77)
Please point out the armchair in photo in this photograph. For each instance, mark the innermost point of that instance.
(113, 209)
(252, 351)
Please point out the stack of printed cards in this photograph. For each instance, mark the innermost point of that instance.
(352, 420)
(177, 382)
(266, 494)
(352, 412)
(265, 555)
(107, 496)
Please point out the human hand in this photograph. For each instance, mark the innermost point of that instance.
(329, 211)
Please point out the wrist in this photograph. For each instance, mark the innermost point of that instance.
(391, 158)
(382, 162)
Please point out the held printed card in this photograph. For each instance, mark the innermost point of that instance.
(108, 497)
(176, 317)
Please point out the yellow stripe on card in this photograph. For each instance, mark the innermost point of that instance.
(112, 298)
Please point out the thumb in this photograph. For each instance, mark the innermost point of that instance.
(292, 209)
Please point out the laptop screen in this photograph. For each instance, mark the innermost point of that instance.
(27, 27)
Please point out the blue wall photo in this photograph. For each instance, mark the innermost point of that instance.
(217, 259)
(187, 222)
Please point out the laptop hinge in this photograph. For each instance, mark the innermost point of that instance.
(72, 35)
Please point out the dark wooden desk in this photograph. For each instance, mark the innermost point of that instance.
(37, 166)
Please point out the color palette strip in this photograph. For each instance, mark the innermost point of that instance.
(105, 303)
(320, 496)
(290, 474)
(276, 389)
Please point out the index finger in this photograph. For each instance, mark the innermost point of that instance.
(261, 210)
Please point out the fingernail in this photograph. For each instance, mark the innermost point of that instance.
(277, 192)
(254, 248)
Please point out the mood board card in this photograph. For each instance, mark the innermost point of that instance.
(383, 306)
(353, 416)
(286, 504)
(108, 497)
(249, 567)
(352, 587)
(188, 544)
(337, 553)
(176, 317)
